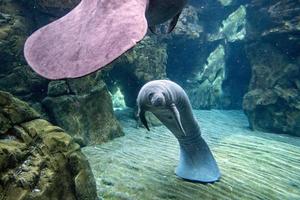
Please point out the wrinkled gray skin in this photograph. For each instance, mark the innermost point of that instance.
(160, 11)
(170, 104)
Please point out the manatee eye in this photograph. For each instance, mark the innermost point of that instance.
(150, 95)
(164, 94)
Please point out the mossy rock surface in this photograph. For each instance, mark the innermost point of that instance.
(39, 160)
(83, 107)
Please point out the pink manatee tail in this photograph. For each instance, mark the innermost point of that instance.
(92, 35)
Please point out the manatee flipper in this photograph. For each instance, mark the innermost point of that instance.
(173, 23)
(177, 117)
(141, 115)
(88, 38)
(196, 161)
(153, 29)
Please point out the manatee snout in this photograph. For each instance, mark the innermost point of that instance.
(158, 100)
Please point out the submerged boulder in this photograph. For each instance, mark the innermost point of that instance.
(209, 60)
(39, 160)
(52, 7)
(145, 62)
(15, 76)
(94, 122)
(206, 89)
(83, 107)
(14, 28)
(273, 100)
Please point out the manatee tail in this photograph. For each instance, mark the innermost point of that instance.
(196, 161)
(88, 38)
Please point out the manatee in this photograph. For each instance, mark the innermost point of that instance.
(170, 104)
(95, 33)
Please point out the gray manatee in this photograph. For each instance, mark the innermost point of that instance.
(170, 104)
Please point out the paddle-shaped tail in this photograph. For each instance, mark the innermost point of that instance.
(196, 162)
(88, 38)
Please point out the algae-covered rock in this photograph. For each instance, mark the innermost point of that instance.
(233, 28)
(209, 61)
(145, 62)
(272, 103)
(15, 110)
(17, 22)
(273, 100)
(148, 60)
(83, 107)
(205, 91)
(189, 25)
(52, 7)
(271, 18)
(15, 75)
(118, 100)
(14, 28)
(39, 160)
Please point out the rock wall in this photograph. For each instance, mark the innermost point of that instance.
(55, 8)
(84, 108)
(145, 62)
(39, 160)
(273, 100)
(207, 60)
(81, 106)
(15, 76)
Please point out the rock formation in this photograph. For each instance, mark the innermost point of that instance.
(146, 61)
(273, 100)
(39, 160)
(82, 106)
(206, 60)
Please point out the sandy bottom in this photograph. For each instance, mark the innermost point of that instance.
(254, 165)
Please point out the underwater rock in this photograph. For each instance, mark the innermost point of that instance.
(272, 103)
(273, 100)
(57, 88)
(83, 107)
(185, 46)
(189, 25)
(24, 83)
(13, 111)
(237, 75)
(225, 2)
(145, 62)
(233, 28)
(148, 60)
(189, 54)
(53, 7)
(16, 22)
(270, 18)
(15, 76)
(205, 90)
(118, 100)
(39, 160)
(14, 28)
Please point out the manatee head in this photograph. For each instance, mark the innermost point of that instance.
(157, 99)
(154, 95)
